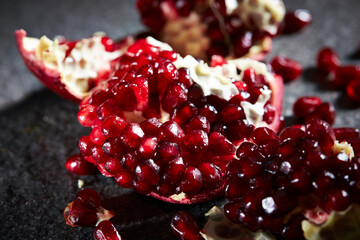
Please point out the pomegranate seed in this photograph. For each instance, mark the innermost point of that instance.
(345, 74)
(96, 136)
(113, 166)
(289, 69)
(342, 134)
(174, 96)
(87, 115)
(353, 89)
(184, 227)
(172, 132)
(231, 113)
(211, 175)
(174, 170)
(243, 43)
(113, 147)
(198, 123)
(132, 135)
(196, 95)
(305, 105)
(184, 113)
(167, 151)
(295, 21)
(185, 78)
(78, 165)
(196, 140)
(209, 112)
(327, 60)
(192, 181)
(85, 145)
(113, 126)
(124, 179)
(148, 146)
(325, 111)
(219, 145)
(106, 231)
(262, 134)
(107, 108)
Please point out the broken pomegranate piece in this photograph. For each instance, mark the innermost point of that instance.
(105, 230)
(172, 135)
(86, 210)
(275, 182)
(205, 28)
(71, 69)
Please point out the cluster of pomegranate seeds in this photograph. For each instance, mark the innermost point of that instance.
(311, 107)
(305, 170)
(186, 153)
(105, 230)
(295, 21)
(226, 32)
(288, 68)
(343, 76)
(78, 165)
(86, 210)
(185, 227)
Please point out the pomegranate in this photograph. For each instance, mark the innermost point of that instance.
(168, 126)
(327, 60)
(69, 68)
(86, 210)
(274, 183)
(288, 68)
(205, 28)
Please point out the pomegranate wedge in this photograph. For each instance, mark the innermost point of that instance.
(69, 68)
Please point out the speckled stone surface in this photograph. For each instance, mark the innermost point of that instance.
(39, 130)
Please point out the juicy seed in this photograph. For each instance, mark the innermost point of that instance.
(184, 227)
(106, 231)
(289, 69)
(78, 165)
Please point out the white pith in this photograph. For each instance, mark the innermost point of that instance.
(85, 61)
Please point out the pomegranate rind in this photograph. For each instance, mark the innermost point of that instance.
(344, 225)
(51, 78)
(219, 227)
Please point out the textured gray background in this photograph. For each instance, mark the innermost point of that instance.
(39, 130)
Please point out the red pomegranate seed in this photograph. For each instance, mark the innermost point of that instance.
(151, 126)
(174, 96)
(262, 134)
(148, 173)
(174, 170)
(353, 89)
(132, 135)
(218, 144)
(106, 231)
(87, 115)
(243, 43)
(196, 95)
(85, 145)
(211, 175)
(198, 123)
(113, 166)
(209, 112)
(113, 126)
(148, 147)
(345, 74)
(114, 147)
(196, 140)
(322, 132)
(305, 105)
(167, 151)
(338, 200)
(172, 132)
(231, 113)
(184, 227)
(78, 165)
(327, 60)
(107, 108)
(295, 21)
(325, 111)
(124, 179)
(342, 134)
(289, 69)
(96, 135)
(192, 181)
(185, 78)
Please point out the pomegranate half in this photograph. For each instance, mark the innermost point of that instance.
(165, 125)
(204, 28)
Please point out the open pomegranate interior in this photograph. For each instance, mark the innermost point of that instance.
(163, 124)
(168, 126)
(204, 28)
(276, 182)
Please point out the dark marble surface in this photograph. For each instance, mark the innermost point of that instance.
(39, 130)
